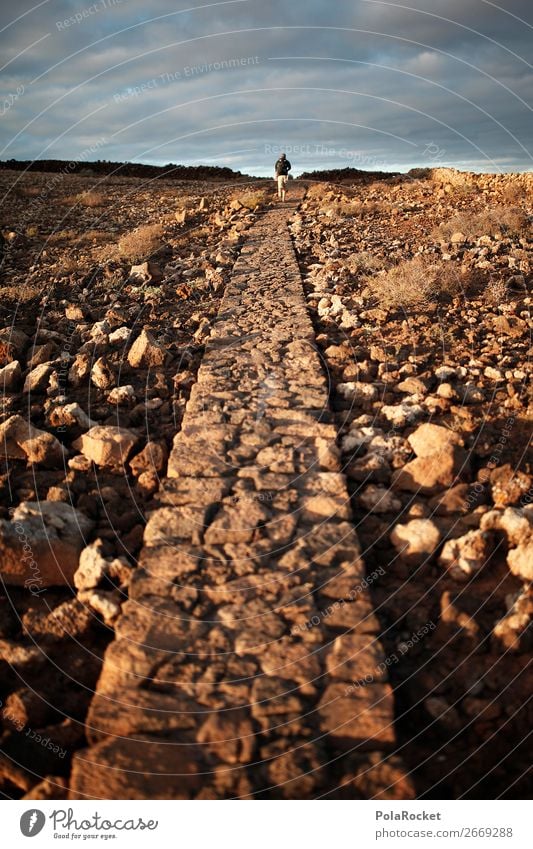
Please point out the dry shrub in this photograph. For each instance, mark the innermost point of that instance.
(364, 262)
(29, 191)
(348, 206)
(506, 220)
(95, 236)
(495, 292)
(513, 193)
(141, 243)
(91, 199)
(61, 236)
(375, 207)
(414, 283)
(317, 191)
(21, 294)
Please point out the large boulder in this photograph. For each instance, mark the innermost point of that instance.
(41, 545)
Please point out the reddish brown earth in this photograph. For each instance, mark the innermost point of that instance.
(268, 443)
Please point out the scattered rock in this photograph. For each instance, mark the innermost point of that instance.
(40, 546)
(102, 374)
(520, 561)
(379, 499)
(440, 459)
(152, 458)
(123, 396)
(106, 445)
(417, 541)
(20, 439)
(146, 352)
(38, 378)
(10, 376)
(465, 556)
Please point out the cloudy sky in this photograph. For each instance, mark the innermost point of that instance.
(376, 84)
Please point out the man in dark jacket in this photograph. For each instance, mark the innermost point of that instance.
(282, 166)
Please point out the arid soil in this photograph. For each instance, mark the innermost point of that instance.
(459, 358)
(70, 309)
(419, 293)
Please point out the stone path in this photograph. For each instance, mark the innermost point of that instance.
(247, 659)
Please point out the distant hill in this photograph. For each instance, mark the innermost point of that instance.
(348, 175)
(124, 169)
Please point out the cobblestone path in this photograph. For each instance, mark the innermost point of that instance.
(247, 660)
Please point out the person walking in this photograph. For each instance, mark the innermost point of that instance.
(282, 166)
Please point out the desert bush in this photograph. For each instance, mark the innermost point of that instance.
(348, 206)
(495, 292)
(364, 262)
(91, 199)
(513, 193)
(317, 191)
(21, 294)
(414, 282)
(141, 243)
(61, 236)
(508, 220)
(29, 191)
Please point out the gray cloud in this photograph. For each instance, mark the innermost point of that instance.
(373, 84)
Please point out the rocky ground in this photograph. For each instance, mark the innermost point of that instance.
(419, 289)
(432, 388)
(106, 297)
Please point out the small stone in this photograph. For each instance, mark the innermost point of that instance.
(379, 499)
(107, 604)
(440, 458)
(92, 568)
(494, 373)
(514, 523)
(152, 458)
(520, 561)
(457, 238)
(509, 486)
(10, 376)
(19, 438)
(68, 416)
(80, 370)
(465, 556)
(102, 374)
(107, 445)
(79, 463)
(13, 343)
(445, 373)
(446, 390)
(440, 710)
(146, 352)
(412, 386)
(40, 546)
(119, 336)
(357, 392)
(123, 396)
(401, 415)
(430, 439)
(74, 313)
(38, 378)
(41, 354)
(416, 541)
